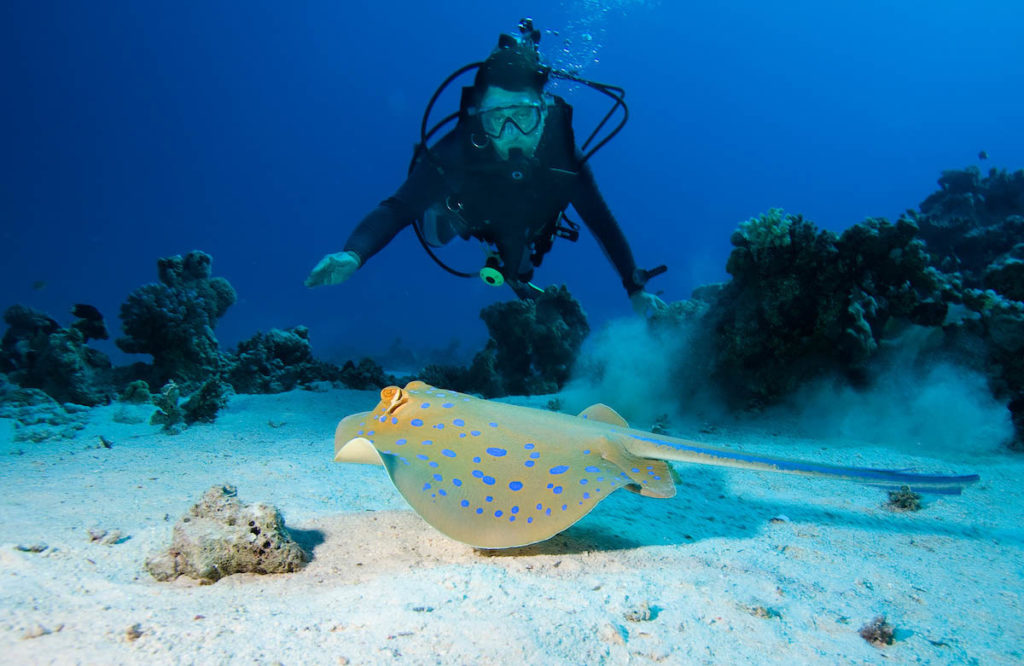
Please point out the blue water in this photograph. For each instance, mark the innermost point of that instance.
(262, 132)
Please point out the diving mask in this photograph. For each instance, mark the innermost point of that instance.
(524, 117)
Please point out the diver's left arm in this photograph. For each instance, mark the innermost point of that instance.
(592, 208)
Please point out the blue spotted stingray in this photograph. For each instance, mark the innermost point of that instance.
(494, 475)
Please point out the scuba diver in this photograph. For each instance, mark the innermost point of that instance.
(505, 175)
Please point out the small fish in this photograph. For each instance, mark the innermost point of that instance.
(39, 285)
(495, 475)
(982, 155)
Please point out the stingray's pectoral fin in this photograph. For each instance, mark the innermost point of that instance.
(686, 451)
(647, 476)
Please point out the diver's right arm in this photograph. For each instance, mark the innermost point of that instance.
(375, 231)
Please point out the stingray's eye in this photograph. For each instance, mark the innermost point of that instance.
(388, 393)
(396, 399)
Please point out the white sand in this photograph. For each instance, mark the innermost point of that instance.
(383, 584)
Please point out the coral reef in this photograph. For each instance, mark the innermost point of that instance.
(37, 352)
(532, 348)
(174, 320)
(220, 536)
(38, 417)
(803, 302)
(972, 222)
(168, 414)
(279, 361)
(974, 228)
(202, 406)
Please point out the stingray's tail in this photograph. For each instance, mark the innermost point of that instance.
(681, 450)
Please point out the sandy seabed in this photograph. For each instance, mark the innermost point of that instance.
(740, 567)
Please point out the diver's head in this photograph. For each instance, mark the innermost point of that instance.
(512, 119)
(509, 92)
(515, 62)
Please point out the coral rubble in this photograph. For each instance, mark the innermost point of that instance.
(220, 536)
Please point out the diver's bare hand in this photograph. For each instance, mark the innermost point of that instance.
(334, 269)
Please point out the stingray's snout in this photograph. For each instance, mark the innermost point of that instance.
(357, 450)
(350, 445)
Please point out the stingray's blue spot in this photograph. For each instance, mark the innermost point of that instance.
(432, 463)
(447, 405)
(540, 506)
(592, 469)
(515, 509)
(496, 452)
(416, 423)
(477, 473)
(456, 482)
(583, 482)
(559, 469)
(448, 452)
(382, 419)
(586, 495)
(404, 459)
(557, 490)
(425, 405)
(530, 519)
(493, 425)
(427, 442)
(439, 426)
(360, 432)
(489, 498)
(586, 452)
(511, 519)
(479, 510)
(548, 512)
(465, 400)
(597, 490)
(443, 493)
(475, 433)
(489, 480)
(656, 477)
(529, 446)
(462, 434)
(535, 455)
(426, 486)
(551, 485)
(515, 485)
(600, 478)
(464, 502)
(394, 420)
(635, 470)
(422, 457)
(528, 463)
(564, 507)
(459, 422)
(476, 459)
(437, 477)
(400, 442)
(497, 514)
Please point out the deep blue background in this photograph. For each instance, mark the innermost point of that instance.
(261, 132)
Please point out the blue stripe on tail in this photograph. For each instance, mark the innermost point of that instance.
(936, 484)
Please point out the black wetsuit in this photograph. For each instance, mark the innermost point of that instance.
(513, 204)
